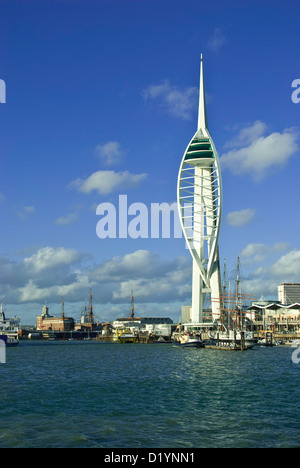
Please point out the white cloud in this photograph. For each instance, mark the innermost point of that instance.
(257, 155)
(287, 267)
(67, 220)
(152, 278)
(106, 182)
(260, 286)
(110, 153)
(141, 263)
(32, 292)
(253, 249)
(247, 135)
(49, 257)
(217, 40)
(240, 218)
(26, 211)
(278, 263)
(255, 253)
(177, 102)
(50, 273)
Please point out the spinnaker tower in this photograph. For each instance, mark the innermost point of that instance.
(200, 201)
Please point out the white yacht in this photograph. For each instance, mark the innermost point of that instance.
(187, 340)
(9, 327)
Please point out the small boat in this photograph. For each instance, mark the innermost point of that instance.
(162, 340)
(186, 340)
(9, 328)
(295, 344)
(268, 340)
(9, 342)
(125, 335)
(12, 343)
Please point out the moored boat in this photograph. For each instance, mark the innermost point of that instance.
(125, 335)
(186, 340)
(9, 329)
(9, 342)
(162, 340)
(268, 340)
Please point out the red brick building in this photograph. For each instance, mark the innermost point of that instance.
(48, 322)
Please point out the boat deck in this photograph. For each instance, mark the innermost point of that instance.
(228, 348)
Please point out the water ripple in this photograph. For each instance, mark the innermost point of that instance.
(151, 396)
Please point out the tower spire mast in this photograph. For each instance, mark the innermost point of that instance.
(202, 117)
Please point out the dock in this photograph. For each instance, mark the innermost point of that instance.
(228, 348)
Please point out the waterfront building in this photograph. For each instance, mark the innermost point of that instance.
(49, 322)
(143, 321)
(289, 293)
(160, 326)
(67, 324)
(256, 310)
(186, 314)
(199, 194)
(275, 316)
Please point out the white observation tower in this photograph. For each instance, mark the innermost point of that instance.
(199, 195)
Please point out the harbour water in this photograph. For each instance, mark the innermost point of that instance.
(89, 394)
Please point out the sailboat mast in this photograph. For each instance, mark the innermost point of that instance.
(63, 314)
(132, 306)
(237, 292)
(229, 318)
(91, 315)
(238, 282)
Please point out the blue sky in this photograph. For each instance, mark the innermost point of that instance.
(101, 100)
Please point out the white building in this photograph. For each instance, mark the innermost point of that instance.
(289, 293)
(160, 326)
(278, 316)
